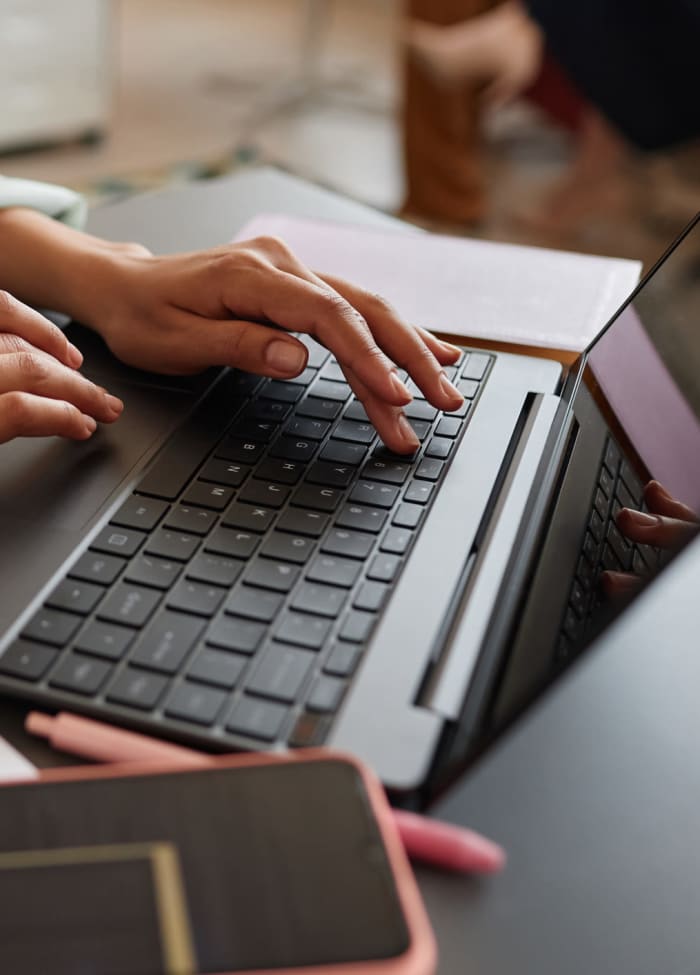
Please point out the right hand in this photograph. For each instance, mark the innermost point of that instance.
(41, 392)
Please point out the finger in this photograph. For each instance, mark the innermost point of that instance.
(617, 584)
(41, 375)
(444, 352)
(389, 421)
(404, 344)
(660, 502)
(17, 318)
(199, 343)
(27, 415)
(651, 529)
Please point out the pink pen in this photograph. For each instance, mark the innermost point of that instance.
(439, 844)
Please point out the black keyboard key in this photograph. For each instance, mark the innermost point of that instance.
(606, 482)
(612, 456)
(370, 596)
(579, 599)
(215, 569)
(356, 411)
(374, 493)
(185, 518)
(281, 672)
(206, 495)
(303, 630)
(334, 571)
(290, 448)
(333, 475)
(390, 472)
(248, 428)
(118, 541)
(323, 389)
(192, 702)
(352, 545)
(264, 493)
(172, 545)
(278, 576)
(251, 518)
(306, 428)
(620, 545)
(102, 569)
(384, 568)
(235, 544)
(236, 634)
(104, 640)
(419, 493)
(224, 472)
(319, 498)
(198, 598)
(340, 452)
(280, 471)
(217, 667)
(407, 515)
(310, 730)
(357, 626)
(299, 521)
(623, 496)
(75, 597)
(288, 548)
(240, 451)
(82, 675)
(254, 604)
(420, 410)
(362, 433)
(396, 541)
(468, 388)
(139, 512)
(282, 391)
(326, 694)
(601, 504)
(343, 660)
(319, 409)
(333, 372)
(439, 447)
(449, 426)
(361, 518)
(257, 719)
(166, 641)
(590, 548)
(475, 366)
(137, 689)
(129, 604)
(147, 570)
(596, 526)
(28, 661)
(317, 353)
(52, 626)
(306, 377)
(632, 482)
(267, 410)
(316, 598)
(429, 469)
(420, 428)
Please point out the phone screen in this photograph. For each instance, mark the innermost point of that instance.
(282, 864)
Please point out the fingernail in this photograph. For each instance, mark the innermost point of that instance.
(400, 389)
(285, 357)
(642, 519)
(90, 423)
(75, 356)
(449, 389)
(115, 404)
(407, 432)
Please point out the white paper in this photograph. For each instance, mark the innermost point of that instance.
(13, 766)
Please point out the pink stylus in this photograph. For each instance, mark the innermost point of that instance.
(440, 844)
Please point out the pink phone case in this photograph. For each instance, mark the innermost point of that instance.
(421, 956)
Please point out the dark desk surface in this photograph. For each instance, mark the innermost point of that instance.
(596, 794)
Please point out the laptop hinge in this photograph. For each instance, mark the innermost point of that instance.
(459, 641)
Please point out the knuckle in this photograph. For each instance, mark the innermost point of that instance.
(270, 244)
(7, 303)
(379, 304)
(16, 409)
(32, 367)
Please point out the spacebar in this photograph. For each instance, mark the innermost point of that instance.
(187, 449)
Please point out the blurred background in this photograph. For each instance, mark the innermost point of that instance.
(116, 96)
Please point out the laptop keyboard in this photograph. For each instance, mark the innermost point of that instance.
(230, 597)
(604, 547)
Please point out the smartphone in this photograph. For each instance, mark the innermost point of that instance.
(250, 864)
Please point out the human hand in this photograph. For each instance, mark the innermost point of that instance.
(231, 305)
(667, 525)
(41, 392)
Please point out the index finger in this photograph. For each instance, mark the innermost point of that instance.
(19, 319)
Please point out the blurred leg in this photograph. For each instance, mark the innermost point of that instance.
(441, 130)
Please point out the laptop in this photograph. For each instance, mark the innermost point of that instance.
(240, 564)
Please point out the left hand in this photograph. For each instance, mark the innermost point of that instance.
(232, 305)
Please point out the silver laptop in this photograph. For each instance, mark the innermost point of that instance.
(240, 564)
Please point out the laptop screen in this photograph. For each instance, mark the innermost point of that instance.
(644, 373)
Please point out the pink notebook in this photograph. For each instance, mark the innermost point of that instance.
(470, 288)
